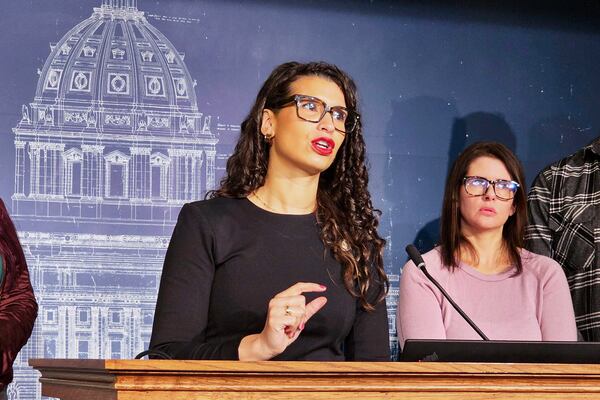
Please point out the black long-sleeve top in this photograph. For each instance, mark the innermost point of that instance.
(227, 258)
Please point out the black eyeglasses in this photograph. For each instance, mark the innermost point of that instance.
(478, 186)
(313, 109)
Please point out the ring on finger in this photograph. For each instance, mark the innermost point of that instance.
(288, 311)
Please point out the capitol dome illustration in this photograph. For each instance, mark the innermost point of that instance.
(120, 98)
(106, 153)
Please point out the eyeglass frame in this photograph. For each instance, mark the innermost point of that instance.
(327, 110)
(490, 183)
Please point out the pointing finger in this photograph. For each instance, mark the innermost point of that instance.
(314, 306)
(300, 288)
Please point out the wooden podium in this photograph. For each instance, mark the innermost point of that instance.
(178, 380)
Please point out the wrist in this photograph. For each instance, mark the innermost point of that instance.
(253, 348)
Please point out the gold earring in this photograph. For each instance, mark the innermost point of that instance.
(268, 137)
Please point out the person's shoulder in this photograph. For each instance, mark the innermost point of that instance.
(215, 208)
(539, 265)
(570, 166)
(217, 204)
(432, 259)
(575, 160)
(433, 256)
(433, 263)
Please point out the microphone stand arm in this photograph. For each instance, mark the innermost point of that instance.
(456, 307)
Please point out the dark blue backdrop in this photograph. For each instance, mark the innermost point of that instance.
(431, 78)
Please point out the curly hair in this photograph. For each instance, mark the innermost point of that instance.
(345, 214)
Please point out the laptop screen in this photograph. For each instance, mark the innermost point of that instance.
(503, 351)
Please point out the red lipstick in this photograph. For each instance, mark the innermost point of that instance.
(323, 145)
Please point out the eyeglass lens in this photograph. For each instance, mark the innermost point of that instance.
(313, 110)
(502, 188)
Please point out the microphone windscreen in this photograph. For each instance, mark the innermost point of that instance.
(414, 255)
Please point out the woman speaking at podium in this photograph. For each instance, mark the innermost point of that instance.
(283, 262)
(508, 292)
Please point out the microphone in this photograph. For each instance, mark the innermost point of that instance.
(415, 256)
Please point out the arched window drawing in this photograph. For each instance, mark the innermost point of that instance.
(46, 169)
(117, 173)
(184, 174)
(92, 170)
(72, 162)
(139, 187)
(208, 171)
(83, 347)
(19, 168)
(115, 349)
(159, 164)
(202, 175)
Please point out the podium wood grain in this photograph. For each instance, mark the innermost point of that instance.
(178, 380)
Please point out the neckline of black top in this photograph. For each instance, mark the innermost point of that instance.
(261, 211)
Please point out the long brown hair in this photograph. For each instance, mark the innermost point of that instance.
(345, 214)
(451, 237)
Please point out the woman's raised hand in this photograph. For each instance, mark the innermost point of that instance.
(287, 315)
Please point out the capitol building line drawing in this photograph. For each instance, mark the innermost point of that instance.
(106, 153)
(110, 148)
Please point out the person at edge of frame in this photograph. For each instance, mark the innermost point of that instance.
(564, 224)
(18, 307)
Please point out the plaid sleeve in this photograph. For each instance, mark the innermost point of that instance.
(538, 238)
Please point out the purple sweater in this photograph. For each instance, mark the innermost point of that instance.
(535, 305)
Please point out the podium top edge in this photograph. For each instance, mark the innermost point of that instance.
(307, 367)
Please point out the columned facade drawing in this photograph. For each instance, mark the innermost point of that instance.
(106, 153)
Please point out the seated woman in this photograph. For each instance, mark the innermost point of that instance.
(510, 293)
(284, 261)
(18, 308)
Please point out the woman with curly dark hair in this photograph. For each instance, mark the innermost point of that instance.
(284, 261)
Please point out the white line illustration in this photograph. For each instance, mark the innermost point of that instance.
(106, 153)
(110, 148)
